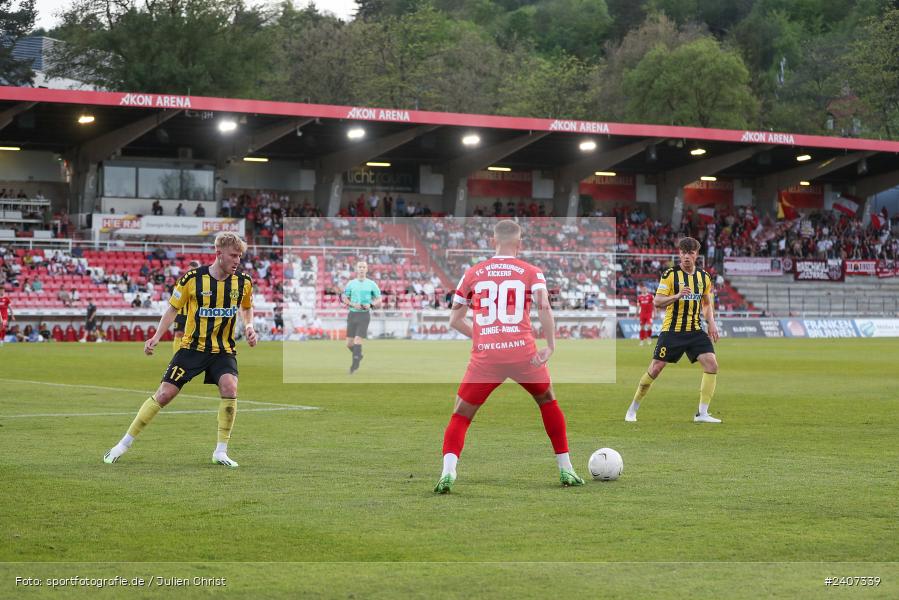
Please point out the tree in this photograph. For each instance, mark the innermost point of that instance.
(314, 56)
(202, 47)
(624, 56)
(873, 63)
(15, 24)
(809, 86)
(696, 84)
(558, 86)
(579, 27)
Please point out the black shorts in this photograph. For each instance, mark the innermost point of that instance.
(90, 325)
(671, 346)
(357, 324)
(180, 323)
(187, 364)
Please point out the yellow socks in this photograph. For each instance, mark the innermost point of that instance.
(643, 387)
(227, 412)
(706, 391)
(144, 415)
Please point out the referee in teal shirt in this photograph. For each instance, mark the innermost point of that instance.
(361, 295)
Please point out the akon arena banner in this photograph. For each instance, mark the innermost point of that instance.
(138, 225)
(818, 270)
(747, 265)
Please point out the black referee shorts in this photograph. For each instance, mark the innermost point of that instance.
(672, 345)
(357, 324)
(187, 364)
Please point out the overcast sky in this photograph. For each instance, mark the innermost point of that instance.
(47, 9)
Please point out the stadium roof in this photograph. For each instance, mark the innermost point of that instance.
(46, 119)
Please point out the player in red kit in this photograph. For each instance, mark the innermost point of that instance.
(5, 313)
(500, 292)
(647, 312)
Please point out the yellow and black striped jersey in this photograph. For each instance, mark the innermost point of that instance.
(683, 315)
(212, 307)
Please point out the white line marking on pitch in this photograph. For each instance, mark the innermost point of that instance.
(115, 389)
(168, 412)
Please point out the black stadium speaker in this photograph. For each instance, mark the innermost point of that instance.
(651, 153)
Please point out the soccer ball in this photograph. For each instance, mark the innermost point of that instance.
(605, 465)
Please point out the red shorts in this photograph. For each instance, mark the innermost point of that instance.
(481, 379)
(645, 320)
(2, 330)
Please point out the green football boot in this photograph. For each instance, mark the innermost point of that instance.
(445, 484)
(569, 478)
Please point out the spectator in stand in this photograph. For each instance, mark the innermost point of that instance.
(199, 211)
(156, 208)
(179, 210)
(373, 202)
(64, 297)
(75, 295)
(37, 285)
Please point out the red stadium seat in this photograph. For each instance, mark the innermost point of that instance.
(138, 334)
(110, 333)
(124, 334)
(71, 334)
(57, 333)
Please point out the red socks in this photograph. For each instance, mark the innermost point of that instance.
(554, 422)
(454, 437)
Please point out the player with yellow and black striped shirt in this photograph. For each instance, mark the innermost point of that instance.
(213, 296)
(686, 293)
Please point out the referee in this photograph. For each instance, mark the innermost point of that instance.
(361, 295)
(181, 318)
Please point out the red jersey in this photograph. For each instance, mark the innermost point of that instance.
(4, 308)
(500, 291)
(646, 307)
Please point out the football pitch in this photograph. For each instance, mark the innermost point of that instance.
(333, 498)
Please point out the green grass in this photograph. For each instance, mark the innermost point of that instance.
(337, 502)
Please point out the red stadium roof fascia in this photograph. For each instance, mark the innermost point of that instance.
(421, 117)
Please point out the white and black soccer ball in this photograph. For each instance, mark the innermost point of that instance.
(605, 465)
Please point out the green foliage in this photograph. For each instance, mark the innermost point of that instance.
(784, 61)
(621, 58)
(15, 24)
(873, 63)
(204, 47)
(696, 84)
(559, 86)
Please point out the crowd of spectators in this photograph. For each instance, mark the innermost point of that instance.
(742, 232)
(265, 211)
